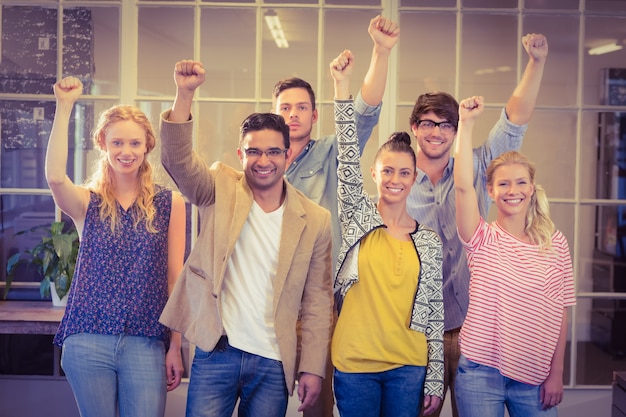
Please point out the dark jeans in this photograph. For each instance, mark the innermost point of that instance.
(220, 377)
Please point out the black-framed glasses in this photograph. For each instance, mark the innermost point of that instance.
(271, 153)
(428, 126)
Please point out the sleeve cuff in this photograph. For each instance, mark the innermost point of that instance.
(361, 107)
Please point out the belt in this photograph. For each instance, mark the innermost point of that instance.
(456, 330)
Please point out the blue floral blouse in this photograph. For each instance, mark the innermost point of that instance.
(120, 282)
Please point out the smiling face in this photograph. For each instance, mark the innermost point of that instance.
(394, 174)
(263, 173)
(435, 144)
(294, 104)
(511, 189)
(125, 145)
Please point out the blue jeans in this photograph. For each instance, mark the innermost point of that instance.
(482, 391)
(110, 371)
(394, 393)
(220, 377)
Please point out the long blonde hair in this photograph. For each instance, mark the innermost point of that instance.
(538, 224)
(102, 181)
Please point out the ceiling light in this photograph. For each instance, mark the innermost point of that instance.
(273, 24)
(605, 49)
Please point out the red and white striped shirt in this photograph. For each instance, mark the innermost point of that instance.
(517, 297)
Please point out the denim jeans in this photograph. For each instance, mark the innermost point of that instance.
(394, 393)
(220, 377)
(482, 391)
(110, 371)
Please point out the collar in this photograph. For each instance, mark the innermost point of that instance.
(447, 171)
(305, 150)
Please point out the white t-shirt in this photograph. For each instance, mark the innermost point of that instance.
(248, 291)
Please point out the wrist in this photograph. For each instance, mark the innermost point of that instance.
(185, 93)
(381, 51)
(342, 90)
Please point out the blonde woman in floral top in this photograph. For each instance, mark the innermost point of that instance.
(118, 359)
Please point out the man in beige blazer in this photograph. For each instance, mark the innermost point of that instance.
(261, 261)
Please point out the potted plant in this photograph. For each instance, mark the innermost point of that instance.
(54, 256)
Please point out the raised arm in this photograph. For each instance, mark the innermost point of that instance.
(385, 34)
(188, 76)
(349, 175)
(70, 198)
(522, 102)
(467, 213)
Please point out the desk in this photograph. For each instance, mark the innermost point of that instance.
(29, 317)
(53, 392)
(32, 317)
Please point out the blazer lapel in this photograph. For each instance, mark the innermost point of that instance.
(230, 230)
(243, 203)
(292, 229)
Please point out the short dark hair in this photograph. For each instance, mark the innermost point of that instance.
(262, 121)
(397, 142)
(442, 104)
(294, 82)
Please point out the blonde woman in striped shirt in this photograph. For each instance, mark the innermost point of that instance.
(513, 338)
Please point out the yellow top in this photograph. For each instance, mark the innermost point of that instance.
(372, 333)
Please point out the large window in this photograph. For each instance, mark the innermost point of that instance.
(125, 51)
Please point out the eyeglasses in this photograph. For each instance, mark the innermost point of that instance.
(428, 126)
(271, 153)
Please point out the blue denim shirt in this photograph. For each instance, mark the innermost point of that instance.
(435, 206)
(314, 171)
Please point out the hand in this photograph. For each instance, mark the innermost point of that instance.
(341, 67)
(536, 45)
(309, 388)
(471, 108)
(68, 89)
(188, 74)
(551, 391)
(384, 32)
(431, 403)
(173, 368)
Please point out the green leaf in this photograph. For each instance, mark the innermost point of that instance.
(56, 228)
(13, 261)
(54, 256)
(62, 284)
(44, 287)
(12, 264)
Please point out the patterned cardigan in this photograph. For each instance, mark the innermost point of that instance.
(358, 216)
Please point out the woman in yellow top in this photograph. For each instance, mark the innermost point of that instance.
(387, 347)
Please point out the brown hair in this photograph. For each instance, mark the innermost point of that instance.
(294, 82)
(397, 142)
(442, 104)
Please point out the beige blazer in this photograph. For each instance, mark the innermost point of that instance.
(302, 284)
